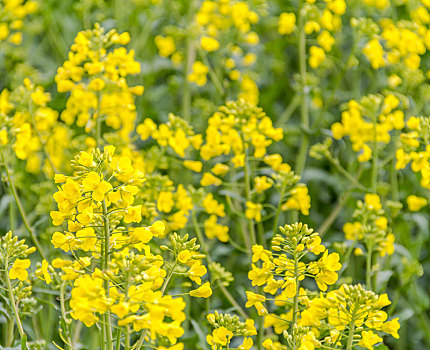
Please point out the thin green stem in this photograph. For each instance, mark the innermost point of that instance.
(345, 173)
(374, 182)
(296, 296)
(351, 331)
(118, 339)
(68, 343)
(105, 267)
(189, 59)
(394, 183)
(9, 331)
(232, 301)
(20, 206)
(369, 267)
(12, 299)
(304, 115)
(334, 213)
(248, 198)
(98, 130)
(167, 280)
(127, 338)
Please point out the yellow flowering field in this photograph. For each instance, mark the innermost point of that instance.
(214, 174)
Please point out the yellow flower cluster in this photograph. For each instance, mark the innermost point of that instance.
(370, 226)
(176, 134)
(404, 41)
(96, 76)
(216, 22)
(13, 14)
(322, 22)
(114, 271)
(227, 327)
(369, 122)
(414, 148)
(345, 311)
(33, 128)
(310, 320)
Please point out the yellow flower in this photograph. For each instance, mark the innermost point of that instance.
(254, 298)
(219, 336)
(93, 182)
(372, 201)
(375, 53)
(145, 129)
(247, 344)
(141, 235)
(96, 84)
(198, 74)
(195, 166)
(3, 137)
(415, 203)
(220, 169)
(87, 239)
(286, 23)
(391, 327)
(204, 291)
(253, 211)
(213, 229)
(165, 45)
(368, 339)
(317, 56)
(86, 159)
(184, 256)
(133, 214)
(19, 269)
(208, 179)
(196, 271)
(121, 309)
(158, 228)
(165, 201)
(261, 184)
(209, 44)
(65, 241)
(43, 272)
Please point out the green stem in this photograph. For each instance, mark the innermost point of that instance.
(20, 206)
(351, 331)
(348, 254)
(248, 198)
(68, 344)
(118, 339)
(98, 130)
(233, 301)
(303, 152)
(127, 338)
(9, 331)
(394, 183)
(166, 282)
(369, 268)
(296, 296)
(105, 268)
(334, 213)
(12, 299)
(375, 159)
(285, 116)
(189, 59)
(139, 343)
(345, 173)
